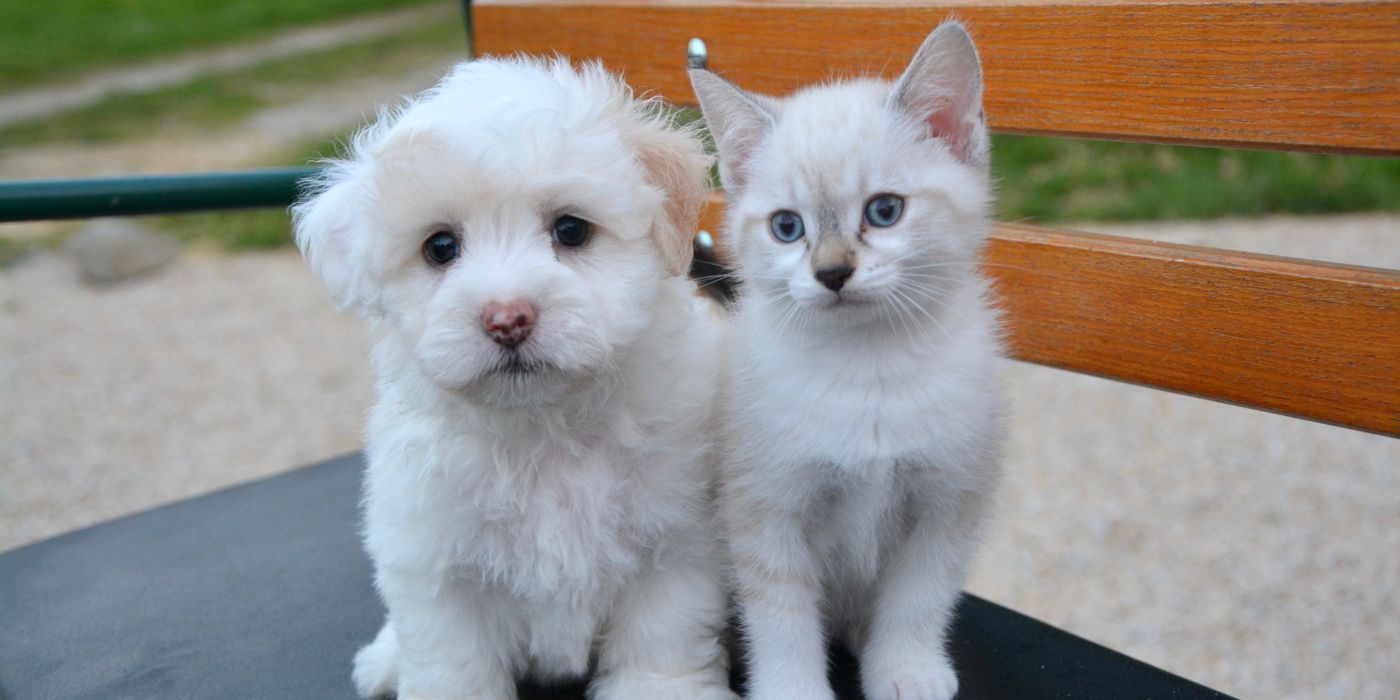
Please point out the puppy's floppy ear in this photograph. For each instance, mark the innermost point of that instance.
(329, 227)
(675, 161)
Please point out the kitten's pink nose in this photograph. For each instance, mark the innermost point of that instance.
(508, 323)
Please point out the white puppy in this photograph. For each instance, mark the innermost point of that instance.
(536, 497)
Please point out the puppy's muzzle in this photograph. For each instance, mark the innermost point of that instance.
(508, 323)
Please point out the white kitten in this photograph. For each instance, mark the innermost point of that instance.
(862, 406)
(535, 501)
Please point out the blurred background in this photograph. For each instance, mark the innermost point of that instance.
(146, 360)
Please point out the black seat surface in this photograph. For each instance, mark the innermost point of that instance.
(262, 591)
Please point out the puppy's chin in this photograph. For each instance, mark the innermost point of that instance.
(540, 372)
(518, 383)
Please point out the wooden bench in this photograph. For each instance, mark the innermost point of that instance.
(1308, 339)
(262, 590)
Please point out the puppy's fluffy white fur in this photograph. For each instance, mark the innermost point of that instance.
(548, 521)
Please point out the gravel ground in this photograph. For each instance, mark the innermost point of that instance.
(219, 369)
(1255, 553)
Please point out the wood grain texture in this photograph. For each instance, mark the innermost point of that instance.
(1308, 339)
(1303, 75)
(1304, 338)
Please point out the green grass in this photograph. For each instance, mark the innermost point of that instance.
(1050, 180)
(257, 229)
(47, 40)
(12, 251)
(16, 248)
(217, 101)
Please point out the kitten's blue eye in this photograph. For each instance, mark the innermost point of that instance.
(884, 210)
(572, 231)
(441, 248)
(787, 226)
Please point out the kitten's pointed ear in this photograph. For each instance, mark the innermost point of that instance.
(942, 87)
(736, 119)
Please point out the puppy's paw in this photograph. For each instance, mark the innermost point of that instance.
(376, 673)
(928, 678)
(644, 686)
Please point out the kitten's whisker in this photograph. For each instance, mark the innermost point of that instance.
(936, 292)
(946, 263)
(941, 265)
(885, 311)
(707, 281)
(975, 264)
(806, 315)
(905, 322)
(917, 252)
(941, 297)
(786, 314)
(912, 323)
(955, 279)
(923, 311)
(789, 313)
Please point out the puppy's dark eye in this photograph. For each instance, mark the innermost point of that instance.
(884, 210)
(441, 248)
(572, 231)
(787, 226)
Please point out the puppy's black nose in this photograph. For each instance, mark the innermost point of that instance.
(834, 277)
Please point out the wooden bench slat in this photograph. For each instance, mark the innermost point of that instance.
(1303, 338)
(1304, 75)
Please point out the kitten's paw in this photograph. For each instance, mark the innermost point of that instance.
(643, 686)
(791, 694)
(925, 679)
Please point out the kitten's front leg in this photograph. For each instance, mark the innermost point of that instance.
(454, 642)
(905, 658)
(662, 641)
(778, 587)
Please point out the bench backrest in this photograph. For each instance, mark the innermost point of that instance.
(1304, 338)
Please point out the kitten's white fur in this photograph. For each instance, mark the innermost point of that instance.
(861, 429)
(531, 524)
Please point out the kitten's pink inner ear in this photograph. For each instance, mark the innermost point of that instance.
(947, 122)
(942, 87)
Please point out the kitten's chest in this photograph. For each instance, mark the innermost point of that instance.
(850, 400)
(856, 415)
(857, 517)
